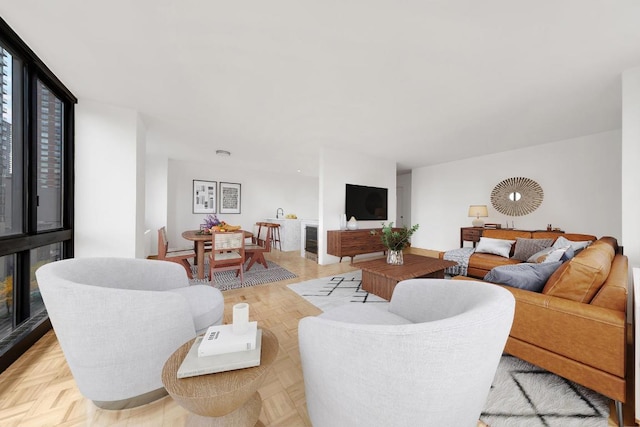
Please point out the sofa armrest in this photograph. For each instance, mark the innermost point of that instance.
(592, 335)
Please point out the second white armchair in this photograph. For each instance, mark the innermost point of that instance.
(427, 361)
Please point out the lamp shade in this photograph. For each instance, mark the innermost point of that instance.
(478, 211)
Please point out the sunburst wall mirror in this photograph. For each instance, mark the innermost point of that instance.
(517, 196)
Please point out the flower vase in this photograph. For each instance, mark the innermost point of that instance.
(343, 222)
(395, 257)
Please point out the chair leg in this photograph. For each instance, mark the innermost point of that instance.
(187, 266)
(256, 257)
(263, 261)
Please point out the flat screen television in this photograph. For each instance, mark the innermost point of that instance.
(366, 203)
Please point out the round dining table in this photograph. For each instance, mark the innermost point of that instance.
(199, 238)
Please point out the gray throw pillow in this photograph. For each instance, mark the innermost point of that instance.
(531, 277)
(576, 246)
(527, 247)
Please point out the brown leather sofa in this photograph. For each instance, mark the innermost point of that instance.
(576, 327)
(480, 264)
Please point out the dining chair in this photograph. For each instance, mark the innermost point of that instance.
(227, 253)
(255, 251)
(181, 256)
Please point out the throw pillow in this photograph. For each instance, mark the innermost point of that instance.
(549, 254)
(577, 246)
(527, 247)
(500, 247)
(531, 277)
(569, 253)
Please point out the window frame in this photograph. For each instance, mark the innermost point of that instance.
(20, 244)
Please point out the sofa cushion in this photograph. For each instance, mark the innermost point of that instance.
(613, 293)
(499, 247)
(527, 247)
(550, 254)
(531, 277)
(488, 261)
(580, 278)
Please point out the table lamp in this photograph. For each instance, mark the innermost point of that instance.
(478, 211)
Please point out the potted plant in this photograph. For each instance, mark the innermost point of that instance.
(395, 240)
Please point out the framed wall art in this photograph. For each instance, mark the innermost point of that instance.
(230, 194)
(204, 197)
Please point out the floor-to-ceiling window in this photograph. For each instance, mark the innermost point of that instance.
(36, 188)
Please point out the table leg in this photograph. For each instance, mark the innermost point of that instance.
(200, 258)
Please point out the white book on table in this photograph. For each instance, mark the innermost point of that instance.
(221, 339)
(194, 365)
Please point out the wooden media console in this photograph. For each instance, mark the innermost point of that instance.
(350, 243)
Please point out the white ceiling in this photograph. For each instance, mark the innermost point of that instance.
(423, 82)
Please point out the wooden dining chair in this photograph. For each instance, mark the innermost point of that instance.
(255, 252)
(227, 253)
(181, 256)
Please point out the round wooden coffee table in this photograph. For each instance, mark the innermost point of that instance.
(223, 399)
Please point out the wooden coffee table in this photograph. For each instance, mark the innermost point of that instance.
(380, 278)
(223, 399)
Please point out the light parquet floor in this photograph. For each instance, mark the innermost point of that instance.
(38, 389)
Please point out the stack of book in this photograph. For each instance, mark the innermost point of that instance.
(221, 350)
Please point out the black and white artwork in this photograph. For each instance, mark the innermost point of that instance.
(204, 197)
(229, 198)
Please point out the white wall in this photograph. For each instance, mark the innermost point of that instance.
(108, 166)
(340, 167)
(631, 165)
(580, 178)
(262, 193)
(403, 194)
(156, 184)
(141, 145)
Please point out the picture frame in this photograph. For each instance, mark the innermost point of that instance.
(204, 196)
(230, 198)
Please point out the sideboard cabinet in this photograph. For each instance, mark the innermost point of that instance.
(350, 243)
(473, 234)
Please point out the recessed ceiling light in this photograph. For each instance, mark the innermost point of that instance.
(223, 153)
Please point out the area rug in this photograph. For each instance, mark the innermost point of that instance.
(257, 275)
(522, 394)
(333, 291)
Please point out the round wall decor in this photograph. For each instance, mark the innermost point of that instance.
(517, 196)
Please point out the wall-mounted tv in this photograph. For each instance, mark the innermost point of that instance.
(366, 203)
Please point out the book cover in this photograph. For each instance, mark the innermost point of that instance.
(194, 365)
(220, 339)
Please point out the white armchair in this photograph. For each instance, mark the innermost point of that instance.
(429, 360)
(118, 320)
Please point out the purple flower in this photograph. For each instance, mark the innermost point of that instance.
(211, 221)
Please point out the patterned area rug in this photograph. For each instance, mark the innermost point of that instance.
(333, 291)
(257, 275)
(521, 395)
(524, 395)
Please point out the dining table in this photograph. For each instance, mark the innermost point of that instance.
(199, 238)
